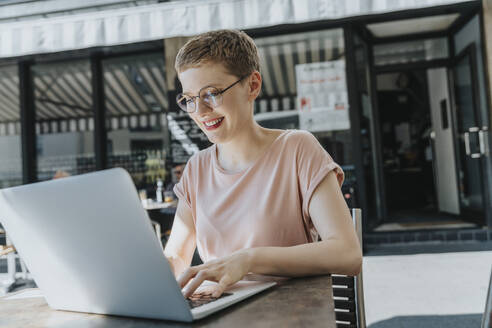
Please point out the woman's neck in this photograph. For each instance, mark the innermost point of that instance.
(245, 148)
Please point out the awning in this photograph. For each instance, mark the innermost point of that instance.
(136, 88)
(184, 18)
(135, 95)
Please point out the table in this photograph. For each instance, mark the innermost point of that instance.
(152, 205)
(161, 214)
(301, 302)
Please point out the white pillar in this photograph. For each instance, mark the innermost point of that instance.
(171, 48)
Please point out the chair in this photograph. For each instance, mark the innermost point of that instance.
(14, 280)
(348, 291)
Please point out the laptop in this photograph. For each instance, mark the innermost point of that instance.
(90, 247)
(487, 314)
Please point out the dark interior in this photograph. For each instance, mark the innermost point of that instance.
(406, 145)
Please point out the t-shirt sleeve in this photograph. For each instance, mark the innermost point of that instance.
(313, 165)
(183, 188)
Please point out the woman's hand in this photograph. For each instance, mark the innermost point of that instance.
(225, 271)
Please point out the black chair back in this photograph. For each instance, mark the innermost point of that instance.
(348, 291)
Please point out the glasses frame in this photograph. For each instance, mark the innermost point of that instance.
(194, 98)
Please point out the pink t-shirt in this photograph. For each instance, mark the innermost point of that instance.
(263, 205)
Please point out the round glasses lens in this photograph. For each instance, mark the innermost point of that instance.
(185, 103)
(211, 96)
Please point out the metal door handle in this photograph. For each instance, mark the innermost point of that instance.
(467, 143)
(481, 140)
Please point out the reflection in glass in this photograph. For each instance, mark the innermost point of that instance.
(136, 101)
(470, 173)
(366, 116)
(10, 141)
(279, 56)
(410, 51)
(277, 106)
(64, 123)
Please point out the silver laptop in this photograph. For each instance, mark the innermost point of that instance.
(90, 247)
(487, 314)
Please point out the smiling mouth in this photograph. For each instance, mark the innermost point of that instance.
(214, 122)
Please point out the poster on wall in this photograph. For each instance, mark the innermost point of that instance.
(322, 98)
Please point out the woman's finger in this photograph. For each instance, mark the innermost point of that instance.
(188, 274)
(205, 290)
(196, 282)
(224, 282)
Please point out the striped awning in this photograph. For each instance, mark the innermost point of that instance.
(183, 18)
(9, 97)
(132, 86)
(135, 94)
(135, 87)
(280, 54)
(278, 58)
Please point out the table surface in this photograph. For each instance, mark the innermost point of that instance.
(153, 205)
(305, 302)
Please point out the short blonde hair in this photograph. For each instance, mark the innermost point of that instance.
(232, 48)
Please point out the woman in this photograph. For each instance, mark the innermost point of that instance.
(257, 199)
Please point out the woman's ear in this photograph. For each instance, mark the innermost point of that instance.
(254, 84)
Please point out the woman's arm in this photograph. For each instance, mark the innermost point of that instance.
(181, 244)
(338, 252)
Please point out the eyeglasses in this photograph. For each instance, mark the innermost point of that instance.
(210, 96)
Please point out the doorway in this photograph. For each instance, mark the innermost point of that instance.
(429, 125)
(418, 152)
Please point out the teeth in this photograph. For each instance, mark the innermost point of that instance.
(213, 122)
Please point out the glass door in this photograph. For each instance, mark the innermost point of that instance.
(375, 203)
(470, 136)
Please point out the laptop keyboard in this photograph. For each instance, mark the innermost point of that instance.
(196, 300)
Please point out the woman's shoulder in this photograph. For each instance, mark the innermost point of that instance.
(292, 142)
(296, 133)
(299, 137)
(301, 143)
(291, 134)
